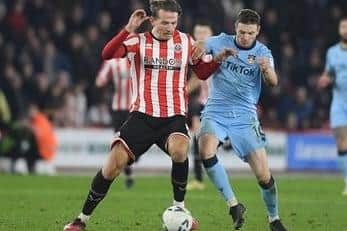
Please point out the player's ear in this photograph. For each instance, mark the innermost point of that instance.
(258, 29)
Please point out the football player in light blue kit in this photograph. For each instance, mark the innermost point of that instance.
(336, 73)
(230, 111)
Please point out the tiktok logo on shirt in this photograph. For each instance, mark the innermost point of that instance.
(240, 69)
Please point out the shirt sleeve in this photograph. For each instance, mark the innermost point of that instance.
(328, 65)
(208, 46)
(132, 44)
(120, 45)
(268, 54)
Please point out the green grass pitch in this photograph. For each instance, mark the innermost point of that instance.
(46, 203)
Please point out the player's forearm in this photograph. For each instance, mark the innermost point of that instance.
(270, 77)
(204, 70)
(115, 48)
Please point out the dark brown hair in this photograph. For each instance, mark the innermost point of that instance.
(167, 5)
(248, 16)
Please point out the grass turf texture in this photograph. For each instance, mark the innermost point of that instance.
(47, 203)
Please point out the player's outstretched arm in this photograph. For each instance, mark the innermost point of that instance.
(114, 48)
(268, 72)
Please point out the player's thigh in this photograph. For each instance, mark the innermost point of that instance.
(173, 138)
(258, 162)
(247, 138)
(210, 135)
(340, 134)
(136, 136)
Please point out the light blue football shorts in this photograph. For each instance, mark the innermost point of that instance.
(244, 131)
(338, 114)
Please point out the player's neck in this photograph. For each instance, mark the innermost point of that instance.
(156, 35)
(244, 48)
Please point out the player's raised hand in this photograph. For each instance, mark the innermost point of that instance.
(198, 50)
(135, 20)
(264, 63)
(225, 53)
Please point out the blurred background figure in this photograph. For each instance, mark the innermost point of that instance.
(336, 73)
(45, 138)
(118, 71)
(198, 93)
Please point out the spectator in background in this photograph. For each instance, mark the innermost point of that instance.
(44, 135)
(5, 113)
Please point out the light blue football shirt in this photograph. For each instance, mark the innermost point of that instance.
(236, 85)
(336, 66)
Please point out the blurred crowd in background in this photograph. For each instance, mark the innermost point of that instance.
(50, 55)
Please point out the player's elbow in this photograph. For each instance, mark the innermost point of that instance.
(106, 55)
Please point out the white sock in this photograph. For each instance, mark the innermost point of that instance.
(232, 202)
(272, 219)
(84, 218)
(180, 204)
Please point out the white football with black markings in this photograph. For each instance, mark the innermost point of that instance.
(176, 218)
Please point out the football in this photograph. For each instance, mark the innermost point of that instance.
(176, 218)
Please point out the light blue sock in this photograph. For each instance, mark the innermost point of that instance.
(269, 195)
(219, 177)
(343, 164)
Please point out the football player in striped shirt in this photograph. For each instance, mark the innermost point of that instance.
(159, 63)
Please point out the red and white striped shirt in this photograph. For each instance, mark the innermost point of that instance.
(159, 73)
(119, 71)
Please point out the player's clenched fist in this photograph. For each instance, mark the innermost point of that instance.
(264, 63)
(135, 20)
(225, 53)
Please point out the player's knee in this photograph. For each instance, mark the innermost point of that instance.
(178, 148)
(264, 179)
(342, 145)
(116, 162)
(179, 152)
(207, 149)
(267, 183)
(179, 155)
(205, 153)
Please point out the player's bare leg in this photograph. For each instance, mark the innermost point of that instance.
(208, 148)
(177, 146)
(259, 164)
(117, 160)
(340, 134)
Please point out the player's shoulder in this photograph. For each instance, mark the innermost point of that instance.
(132, 39)
(261, 48)
(334, 48)
(219, 39)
